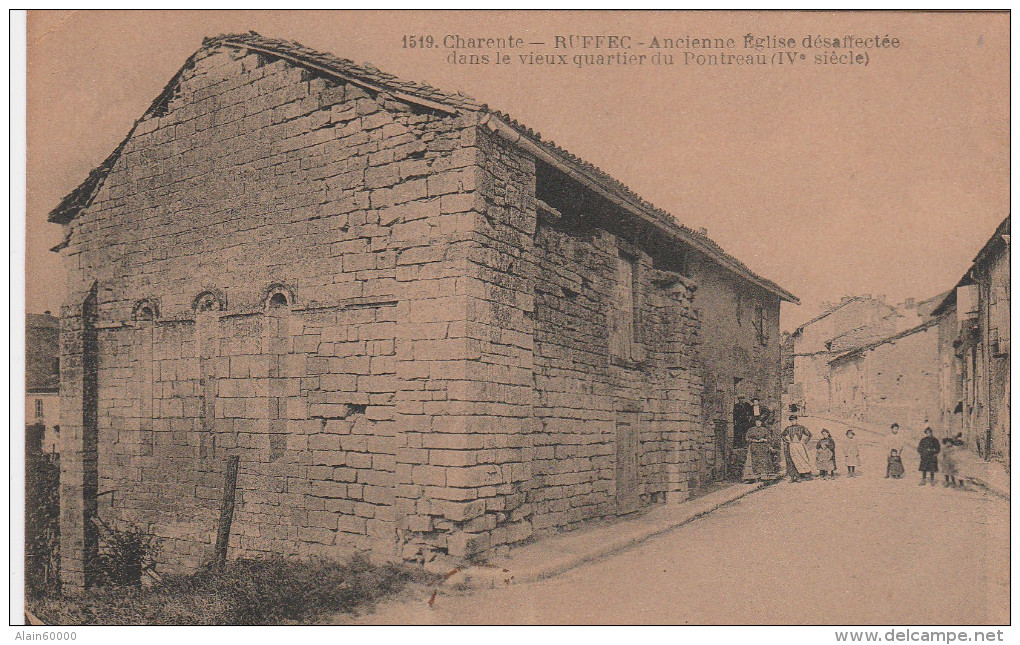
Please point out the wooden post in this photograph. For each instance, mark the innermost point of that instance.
(226, 510)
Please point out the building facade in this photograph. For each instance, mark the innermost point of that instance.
(812, 347)
(879, 366)
(974, 350)
(42, 381)
(423, 330)
(891, 380)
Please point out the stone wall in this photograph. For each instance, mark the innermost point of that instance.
(358, 298)
(586, 389)
(479, 448)
(902, 382)
(893, 382)
(259, 185)
(739, 355)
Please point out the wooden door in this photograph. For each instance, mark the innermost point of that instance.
(628, 493)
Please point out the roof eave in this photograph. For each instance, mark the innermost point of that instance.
(498, 126)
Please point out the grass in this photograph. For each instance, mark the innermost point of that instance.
(264, 591)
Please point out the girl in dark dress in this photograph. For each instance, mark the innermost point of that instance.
(825, 457)
(894, 468)
(929, 449)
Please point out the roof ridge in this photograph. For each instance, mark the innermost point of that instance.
(369, 75)
(927, 324)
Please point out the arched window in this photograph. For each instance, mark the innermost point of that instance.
(208, 300)
(146, 310)
(278, 300)
(279, 297)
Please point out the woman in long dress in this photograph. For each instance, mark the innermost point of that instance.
(798, 464)
(757, 439)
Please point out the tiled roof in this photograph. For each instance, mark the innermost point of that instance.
(832, 310)
(344, 67)
(927, 324)
(368, 75)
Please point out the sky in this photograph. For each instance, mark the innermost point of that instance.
(830, 180)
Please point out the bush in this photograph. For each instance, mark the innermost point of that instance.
(263, 591)
(123, 555)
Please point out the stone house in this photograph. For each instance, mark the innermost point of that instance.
(879, 366)
(974, 351)
(42, 380)
(891, 379)
(423, 329)
(810, 346)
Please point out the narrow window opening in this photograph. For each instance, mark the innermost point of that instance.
(623, 325)
(278, 300)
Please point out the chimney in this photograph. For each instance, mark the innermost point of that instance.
(845, 299)
(881, 298)
(703, 231)
(910, 303)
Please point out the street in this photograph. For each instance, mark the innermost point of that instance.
(867, 550)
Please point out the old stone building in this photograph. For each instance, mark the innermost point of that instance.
(42, 381)
(889, 372)
(871, 361)
(811, 346)
(420, 327)
(974, 351)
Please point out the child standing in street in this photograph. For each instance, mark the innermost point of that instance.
(948, 463)
(894, 468)
(851, 454)
(825, 456)
(928, 449)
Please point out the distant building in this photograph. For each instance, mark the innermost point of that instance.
(811, 347)
(974, 351)
(890, 374)
(42, 379)
(868, 360)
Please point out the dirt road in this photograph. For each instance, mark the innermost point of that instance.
(867, 550)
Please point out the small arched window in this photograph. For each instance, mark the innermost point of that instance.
(146, 310)
(208, 301)
(278, 300)
(279, 297)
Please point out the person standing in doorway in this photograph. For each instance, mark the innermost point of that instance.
(759, 411)
(928, 448)
(757, 465)
(743, 419)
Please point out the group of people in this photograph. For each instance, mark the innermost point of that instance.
(799, 464)
(934, 456)
(803, 458)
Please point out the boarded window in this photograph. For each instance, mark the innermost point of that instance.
(622, 327)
